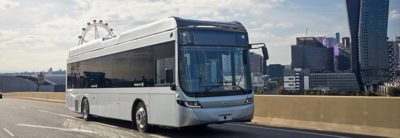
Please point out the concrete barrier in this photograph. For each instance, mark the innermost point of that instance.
(355, 114)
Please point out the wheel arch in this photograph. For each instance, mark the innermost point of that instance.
(134, 105)
(83, 98)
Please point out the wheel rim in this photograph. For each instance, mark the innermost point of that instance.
(141, 117)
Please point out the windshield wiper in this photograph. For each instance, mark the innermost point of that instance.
(238, 83)
(210, 87)
(241, 88)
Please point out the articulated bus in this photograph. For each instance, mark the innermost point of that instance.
(173, 72)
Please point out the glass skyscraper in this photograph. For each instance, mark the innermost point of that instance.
(368, 21)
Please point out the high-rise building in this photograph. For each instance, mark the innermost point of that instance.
(343, 60)
(353, 14)
(338, 38)
(257, 63)
(275, 72)
(330, 41)
(314, 41)
(368, 21)
(346, 42)
(397, 48)
(392, 60)
(310, 53)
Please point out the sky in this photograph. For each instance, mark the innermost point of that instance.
(37, 34)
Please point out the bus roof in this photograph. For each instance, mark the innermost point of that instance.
(152, 29)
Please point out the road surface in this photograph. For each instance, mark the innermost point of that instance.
(28, 118)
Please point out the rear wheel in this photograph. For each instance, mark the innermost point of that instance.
(85, 110)
(141, 118)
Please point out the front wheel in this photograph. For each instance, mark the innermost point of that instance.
(85, 110)
(141, 118)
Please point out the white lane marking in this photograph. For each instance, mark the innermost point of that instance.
(58, 128)
(11, 134)
(293, 131)
(76, 118)
(57, 114)
(7, 103)
(23, 107)
(157, 136)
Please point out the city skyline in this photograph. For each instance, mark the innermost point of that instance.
(34, 42)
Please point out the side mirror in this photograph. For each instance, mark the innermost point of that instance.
(263, 48)
(265, 52)
(169, 76)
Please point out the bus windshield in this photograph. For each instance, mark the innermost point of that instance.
(213, 70)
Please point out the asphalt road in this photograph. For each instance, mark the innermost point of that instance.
(38, 119)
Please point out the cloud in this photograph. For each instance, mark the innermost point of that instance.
(30, 52)
(41, 40)
(139, 12)
(285, 25)
(7, 4)
(44, 38)
(394, 14)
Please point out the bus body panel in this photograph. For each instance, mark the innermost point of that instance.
(118, 102)
(134, 44)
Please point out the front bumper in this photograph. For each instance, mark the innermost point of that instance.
(199, 116)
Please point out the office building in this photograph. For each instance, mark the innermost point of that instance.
(343, 61)
(346, 42)
(310, 53)
(333, 81)
(329, 41)
(392, 60)
(314, 41)
(295, 80)
(257, 63)
(275, 72)
(353, 14)
(338, 38)
(397, 49)
(368, 21)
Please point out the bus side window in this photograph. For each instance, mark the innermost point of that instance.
(161, 66)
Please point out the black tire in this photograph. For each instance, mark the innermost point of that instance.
(86, 110)
(141, 118)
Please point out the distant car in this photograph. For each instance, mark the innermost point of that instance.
(1, 95)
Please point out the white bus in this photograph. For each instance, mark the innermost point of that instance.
(174, 72)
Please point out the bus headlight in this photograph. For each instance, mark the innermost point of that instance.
(191, 104)
(249, 100)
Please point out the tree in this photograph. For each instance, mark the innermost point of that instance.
(394, 91)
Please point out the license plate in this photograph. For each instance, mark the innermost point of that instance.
(225, 117)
